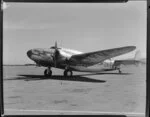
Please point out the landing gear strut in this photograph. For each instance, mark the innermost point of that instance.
(68, 73)
(119, 71)
(118, 68)
(48, 72)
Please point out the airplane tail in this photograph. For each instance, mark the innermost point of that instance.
(134, 61)
(138, 58)
(137, 55)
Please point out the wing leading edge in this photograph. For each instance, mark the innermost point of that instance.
(91, 58)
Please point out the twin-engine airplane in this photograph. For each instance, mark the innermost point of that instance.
(72, 60)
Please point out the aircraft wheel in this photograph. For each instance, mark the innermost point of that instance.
(68, 73)
(48, 72)
(120, 71)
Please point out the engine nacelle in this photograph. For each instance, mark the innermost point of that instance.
(62, 57)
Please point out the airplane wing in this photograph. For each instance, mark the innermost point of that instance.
(91, 58)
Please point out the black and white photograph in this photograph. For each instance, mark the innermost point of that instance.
(74, 58)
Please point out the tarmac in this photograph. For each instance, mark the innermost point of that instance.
(27, 91)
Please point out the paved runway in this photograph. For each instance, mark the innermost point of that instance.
(27, 91)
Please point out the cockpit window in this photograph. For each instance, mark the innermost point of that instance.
(35, 51)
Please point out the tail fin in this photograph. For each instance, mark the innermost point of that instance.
(138, 58)
(137, 55)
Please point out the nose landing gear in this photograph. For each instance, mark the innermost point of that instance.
(48, 72)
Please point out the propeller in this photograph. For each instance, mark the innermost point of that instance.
(55, 54)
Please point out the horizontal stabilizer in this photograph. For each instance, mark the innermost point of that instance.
(126, 62)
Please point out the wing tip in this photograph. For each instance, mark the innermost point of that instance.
(131, 48)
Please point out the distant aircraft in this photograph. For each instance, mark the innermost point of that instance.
(72, 60)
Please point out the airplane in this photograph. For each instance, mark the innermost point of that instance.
(73, 60)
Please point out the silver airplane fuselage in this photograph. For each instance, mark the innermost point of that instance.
(45, 57)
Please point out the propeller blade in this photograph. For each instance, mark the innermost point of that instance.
(55, 44)
(56, 53)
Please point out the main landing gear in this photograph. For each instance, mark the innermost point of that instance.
(68, 73)
(48, 72)
(118, 68)
(119, 71)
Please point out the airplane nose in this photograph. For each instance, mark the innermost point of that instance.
(29, 53)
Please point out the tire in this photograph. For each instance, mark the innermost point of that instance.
(50, 73)
(65, 73)
(47, 74)
(68, 73)
(120, 72)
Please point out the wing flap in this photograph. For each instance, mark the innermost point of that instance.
(91, 58)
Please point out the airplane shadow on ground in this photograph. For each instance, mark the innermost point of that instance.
(103, 74)
(77, 78)
(59, 77)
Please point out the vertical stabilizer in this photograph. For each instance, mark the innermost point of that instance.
(137, 55)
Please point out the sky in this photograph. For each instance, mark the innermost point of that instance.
(85, 27)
